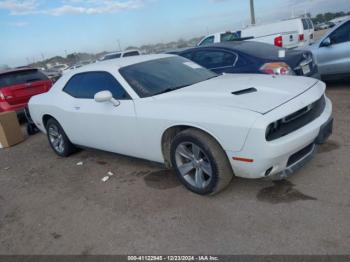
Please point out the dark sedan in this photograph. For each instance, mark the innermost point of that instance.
(252, 57)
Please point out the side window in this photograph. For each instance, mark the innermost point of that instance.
(311, 25)
(228, 37)
(305, 24)
(214, 59)
(207, 41)
(86, 85)
(341, 35)
(133, 53)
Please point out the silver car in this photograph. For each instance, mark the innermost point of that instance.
(332, 52)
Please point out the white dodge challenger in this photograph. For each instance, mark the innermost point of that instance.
(207, 127)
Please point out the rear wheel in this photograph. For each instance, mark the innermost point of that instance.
(58, 139)
(200, 162)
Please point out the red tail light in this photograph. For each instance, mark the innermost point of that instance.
(2, 97)
(279, 41)
(301, 37)
(276, 68)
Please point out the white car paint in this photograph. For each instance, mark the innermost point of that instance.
(238, 123)
(295, 32)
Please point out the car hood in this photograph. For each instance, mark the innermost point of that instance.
(258, 93)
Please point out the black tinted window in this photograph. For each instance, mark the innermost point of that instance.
(209, 40)
(228, 37)
(86, 85)
(305, 24)
(21, 77)
(133, 53)
(214, 59)
(341, 35)
(113, 56)
(311, 25)
(164, 75)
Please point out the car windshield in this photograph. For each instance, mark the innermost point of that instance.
(164, 75)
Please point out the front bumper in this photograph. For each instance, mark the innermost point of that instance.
(273, 159)
(306, 154)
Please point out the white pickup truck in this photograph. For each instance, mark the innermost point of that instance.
(291, 33)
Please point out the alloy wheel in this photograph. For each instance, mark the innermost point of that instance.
(193, 165)
(56, 138)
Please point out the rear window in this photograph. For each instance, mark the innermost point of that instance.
(21, 77)
(132, 53)
(112, 56)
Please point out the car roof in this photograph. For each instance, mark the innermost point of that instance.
(122, 52)
(13, 70)
(120, 62)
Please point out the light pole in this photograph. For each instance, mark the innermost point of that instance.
(120, 49)
(252, 12)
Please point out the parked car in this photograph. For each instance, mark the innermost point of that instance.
(324, 26)
(332, 52)
(252, 57)
(167, 109)
(286, 40)
(59, 67)
(120, 54)
(72, 68)
(339, 20)
(53, 75)
(289, 34)
(17, 86)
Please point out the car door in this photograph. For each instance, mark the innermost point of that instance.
(219, 61)
(100, 125)
(335, 58)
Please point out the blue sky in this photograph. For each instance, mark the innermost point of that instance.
(30, 29)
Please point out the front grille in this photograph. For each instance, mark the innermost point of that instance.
(300, 155)
(296, 120)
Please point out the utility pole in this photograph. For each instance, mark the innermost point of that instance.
(252, 12)
(120, 49)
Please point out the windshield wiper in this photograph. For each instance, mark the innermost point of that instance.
(164, 91)
(169, 90)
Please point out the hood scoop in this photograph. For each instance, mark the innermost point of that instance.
(245, 91)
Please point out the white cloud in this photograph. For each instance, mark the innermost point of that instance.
(89, 7)
(18, 24)
(95, 7)
(19, 7)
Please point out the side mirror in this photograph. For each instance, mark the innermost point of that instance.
(106, 96)
(327, 42)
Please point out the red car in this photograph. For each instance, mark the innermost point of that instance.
(17, 86)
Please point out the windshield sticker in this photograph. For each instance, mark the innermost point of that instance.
(192, 65)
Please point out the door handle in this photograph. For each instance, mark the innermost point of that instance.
(77, 107)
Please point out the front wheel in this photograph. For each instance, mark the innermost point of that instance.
(200, 162)
(58, 139)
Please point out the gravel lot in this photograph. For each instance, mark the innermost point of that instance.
(49, 205)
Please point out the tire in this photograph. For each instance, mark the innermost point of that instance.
(62, 147)
(184, 155)
(31, 129)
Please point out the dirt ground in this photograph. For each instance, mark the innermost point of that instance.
(50, 205)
